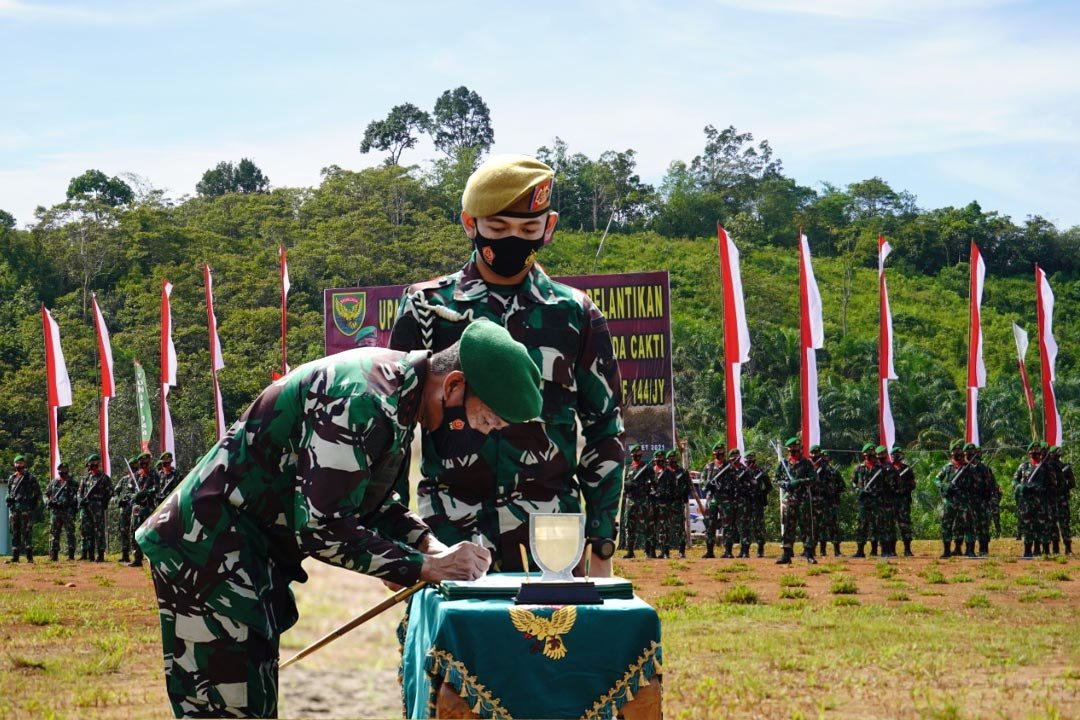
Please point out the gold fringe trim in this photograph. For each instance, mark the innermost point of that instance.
(443, 663)
(622, 687)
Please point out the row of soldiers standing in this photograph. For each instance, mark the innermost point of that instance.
(1041, 486)
(87, 501)
(655, 495)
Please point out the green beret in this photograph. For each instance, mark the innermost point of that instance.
(1033, 446)
(93, 457)
(868, 448)
(20, 458)
(672, 455)
(956, 445)
(500, 372)
(815, 448)
(165, 456)
(751, 454)
(634, 449)
(62, 466)
(970, 446)
(897, 449)
(719, 445)
(793, 441)
(133, 460)
(1043, 445)
(516, 185)
(146, 455)
(1054, 449)
(733, 452)
(658, 455)
(881, 449)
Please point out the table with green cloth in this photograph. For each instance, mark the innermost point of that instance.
(526, 661)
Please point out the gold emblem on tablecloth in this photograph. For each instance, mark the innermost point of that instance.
(546, 633)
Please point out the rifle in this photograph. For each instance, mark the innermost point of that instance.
(780, 459)
(866, 487)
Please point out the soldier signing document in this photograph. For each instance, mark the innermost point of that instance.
(308, 471)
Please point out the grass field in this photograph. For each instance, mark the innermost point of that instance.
(911, 638)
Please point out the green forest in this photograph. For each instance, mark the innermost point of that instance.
(118, 237)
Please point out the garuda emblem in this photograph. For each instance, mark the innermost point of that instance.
(546, 633)
(349, 311)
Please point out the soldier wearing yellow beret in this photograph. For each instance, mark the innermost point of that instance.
(487, 485)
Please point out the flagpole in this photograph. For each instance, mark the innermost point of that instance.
(284, 272)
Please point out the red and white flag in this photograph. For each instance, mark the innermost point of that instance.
(886, 367)
(108, 390)
(1021, 337)
(285, 285)
(812, 336)
(736, 335)
(168, 368)
(1044, 306)
(976, 367)
(216, 361)
(59, 384)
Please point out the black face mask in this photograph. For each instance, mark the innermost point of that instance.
(455, 438)
(506, 256)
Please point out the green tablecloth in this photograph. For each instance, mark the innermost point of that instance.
(525, 661)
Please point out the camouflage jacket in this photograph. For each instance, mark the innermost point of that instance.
(638, 481)
(95, 490)
(986, 488)
(955, 482)
(62, 496)
(527, 467)
(871, 482)
(795, 478)
(145, 488)
(167, 482)
(710, 480)
(24, 492)
(830, 483)
(760, 481)
(905, 479)
(1029, 480)
(307, 470)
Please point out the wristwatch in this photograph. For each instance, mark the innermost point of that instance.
(603, 548)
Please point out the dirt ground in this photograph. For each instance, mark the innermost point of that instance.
(80, 640)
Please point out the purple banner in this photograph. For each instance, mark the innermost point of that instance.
(638, 310)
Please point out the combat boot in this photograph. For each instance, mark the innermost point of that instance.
(785, 558)
(1068, 547)
(946, 553)
(810, 559)
(969, 549)
(14, 559)
(958, 547)
(835, 550)
(1027, 550)
(1057, 547)
(822, 547)
(859, 550)
(100, 556)
(54, 555)
(907, 549)
(85, 555)
(708, 551)
(761, 549)
(873, 548)
(744, 552)
(984, 547)
(137, 562)
(682, 551)
(125, 557)
(71, 553)
(727, 550)
(1036, 548)
(886, 549)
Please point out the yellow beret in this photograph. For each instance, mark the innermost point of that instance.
(516, 185)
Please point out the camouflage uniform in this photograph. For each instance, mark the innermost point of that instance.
(24, 502)
(795, 478)
(885, 517)
(167, 480)
(639, 477)
(308, 470)
(1029, 483)
(955, 481)
(122, 493)
(144, 498)
(527, 467)
(61, 496)
(763, 486)
(987, 497)
(710, 483)
(1061, 518)
(727, 495)
(669, 515)
(827, 491)
(682, 490)
(95, 490)
(905, 487)
(746, 495)
(869, 483)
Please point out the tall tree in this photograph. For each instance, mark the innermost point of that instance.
(397, 132)
(244, 177)
(96, 185)
(461, 120)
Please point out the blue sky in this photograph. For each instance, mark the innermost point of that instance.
(957, 101)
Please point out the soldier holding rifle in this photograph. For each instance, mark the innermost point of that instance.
(95, 490)
(61, 496)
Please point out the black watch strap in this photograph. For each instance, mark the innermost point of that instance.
(603, 548)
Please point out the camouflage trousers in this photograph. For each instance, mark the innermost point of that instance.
(214, 666)
(63, 521)
(21, 523)
(676, 525)
(712, 524)
(798, 518)
(866, 521)
(123, 528)
(981, 514)
(885, 521)
(1031, 518)
(828, 519)
(1063, 517)
(92, 522)
(635, 525)
(757, 523)
(729, 527)
(957, 522)
(744, 521)
(137, 517)
(902, 505)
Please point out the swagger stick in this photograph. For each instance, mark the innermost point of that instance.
(356, 622)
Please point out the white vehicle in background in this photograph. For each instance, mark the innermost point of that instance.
(697, 520)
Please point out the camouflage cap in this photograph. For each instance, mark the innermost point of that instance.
(495, 363)
(92, 458)
(868, 447)
(514, 185)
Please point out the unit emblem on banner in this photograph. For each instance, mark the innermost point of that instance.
(349, 310)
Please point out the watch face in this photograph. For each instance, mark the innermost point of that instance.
(603, 547)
